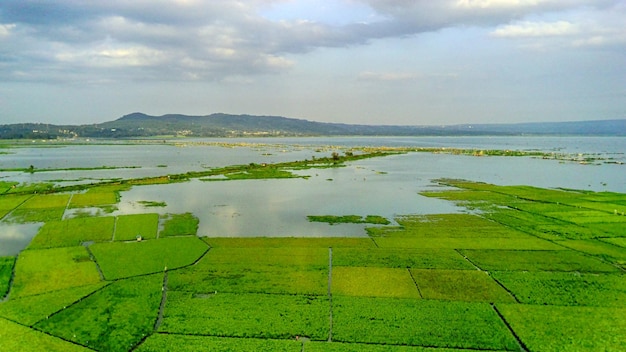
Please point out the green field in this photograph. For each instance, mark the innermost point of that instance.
(525, 269)
(125, 259)
(46, 270)
(73, 232)
(129, 227)
(6, 271)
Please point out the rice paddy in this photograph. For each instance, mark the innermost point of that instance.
(523, 268)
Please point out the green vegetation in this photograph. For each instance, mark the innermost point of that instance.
(459, 285)
(115, 318)
(419, 323)
(47, 270)
(256, 172)
(98, 196)
(373, 282)
(247, 315)
(73, 232)
(128, 227)
(17, 337)
(40, 208)
(179, 225)
(525, 268)
(31, 309)
(6, 271)
(400, 258)
(354, 219)
(126, 259)
(151, 203)
(565, 289)
(554, 328)
(536, 261)
(191, 343)
(10, 202)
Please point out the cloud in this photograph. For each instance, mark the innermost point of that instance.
(536, 29)
(5, 29)
(213, 40)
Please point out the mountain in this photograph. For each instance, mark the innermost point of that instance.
(225, 125)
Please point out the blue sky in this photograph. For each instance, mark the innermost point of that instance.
(419, 62)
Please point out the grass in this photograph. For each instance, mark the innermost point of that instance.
(16, 337)
(286, 242)
(553, 328)
(104, 195)
(10, 202)
(73, 232)
(179, 225)
(566, 289)
(419, 323)
(190, 343)
(126, 259)
(373, 282)
(6, 271)
(31, 309)
(293, 257)
(400, 258)
(247, 315)
(115, 318)
(47, 201)
(128, 227)
(466, 243)
(524, 260)
(601, 249)
(47, 270)
(349, 219)
(232, 278)
(460, 285)
(361, 347)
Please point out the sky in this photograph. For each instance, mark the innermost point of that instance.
(383, 62)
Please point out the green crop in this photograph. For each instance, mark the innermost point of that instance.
(115, 318)
(126, 259)
(517, 260)
(17, 337)
(400, 258)
(553, 328)
(6, 271)
(73, 232)
(373, 282)
(47, 270)
(31, 309)
(459, 285)
(179, 225)
(247, 315)
(565, 289)
(128, 227)
(190, 343)
(250, 279)
(419, 323)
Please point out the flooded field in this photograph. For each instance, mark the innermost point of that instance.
(387, 186)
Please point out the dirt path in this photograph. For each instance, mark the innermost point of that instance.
(330, 295)
(159, 319)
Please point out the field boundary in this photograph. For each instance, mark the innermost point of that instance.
(330, 295)
(521, 344)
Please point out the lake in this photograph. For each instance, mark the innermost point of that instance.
(386, 186)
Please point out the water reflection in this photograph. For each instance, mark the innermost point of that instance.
(15, 237)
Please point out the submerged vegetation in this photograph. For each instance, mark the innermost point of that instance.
(523, 269)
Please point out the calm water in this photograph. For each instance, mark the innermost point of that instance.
(385, 186)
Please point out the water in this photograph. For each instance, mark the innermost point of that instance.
(386, 186)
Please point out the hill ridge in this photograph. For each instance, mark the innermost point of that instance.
(138, 124)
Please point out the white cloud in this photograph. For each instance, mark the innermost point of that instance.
(221, 38)
(6, 29)
(536, 29)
